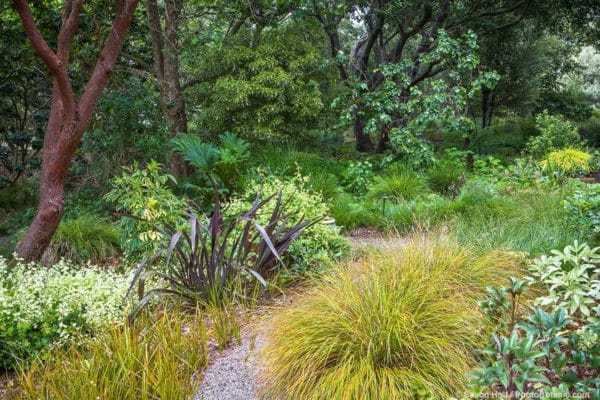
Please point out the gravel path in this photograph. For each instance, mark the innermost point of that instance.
(233, 375)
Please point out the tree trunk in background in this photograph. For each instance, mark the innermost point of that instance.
(363, 141)
(487, 100)
(165, 49)
(68, 118)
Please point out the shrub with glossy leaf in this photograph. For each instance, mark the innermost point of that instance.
(148, 205)
(41, 307)
(394, 323)
(154, 359)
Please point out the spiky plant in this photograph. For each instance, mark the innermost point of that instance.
(393, 325)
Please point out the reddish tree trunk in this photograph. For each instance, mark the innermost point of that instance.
(68, 118)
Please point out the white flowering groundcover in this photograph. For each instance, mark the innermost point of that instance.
(42, 307)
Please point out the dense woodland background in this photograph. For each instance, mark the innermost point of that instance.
(408, 169)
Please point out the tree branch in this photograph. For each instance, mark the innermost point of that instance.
(106, 61)
(58, 67)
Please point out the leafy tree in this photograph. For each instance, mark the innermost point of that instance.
(262, 84)
(406, 34)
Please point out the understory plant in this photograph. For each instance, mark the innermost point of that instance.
(397, 324)
(566, 163)
(43, 307)
(555, 132)
(550, 346)
(156, 358)
(198, 265)
(219, 165)
(583, 208)
(572, 277)
(319, 243)
(82, 239)
(146, 204)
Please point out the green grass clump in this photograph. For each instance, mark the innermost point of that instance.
(533, 221)
(445, 177)
(402, 184)
(154, 359)
(393, 323)
(83, 239)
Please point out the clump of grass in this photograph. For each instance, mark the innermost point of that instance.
(86, 238)
(225, 325)
(154, 359)
(393, 323)
(402, 184)
(534, 222)
(445, 178)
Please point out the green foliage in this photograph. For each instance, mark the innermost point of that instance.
(41, 307)
(400, 184)
(17, 197)
(573, 279)
(358, 176)
(128, 127)
(590, 130)
(446, 177)
(324, 174)
(567, 163)
(583, 208)
(530, 221)
(262, 84)
(200, 264)
(541, 351)
(555, 133)
(148, 205)
(319, 243)
(421, 106)
(393, 323)
(86, 238)
(156, 358)
(220, 166)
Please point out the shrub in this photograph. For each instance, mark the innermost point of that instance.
(156, 358)
(392, 325)
(215, 165)
(199, 264)
(566, 163)
(555, 133)
(573, 279)
(320, 242)
(41, 307)
(590, 130)
(148, 205)
(358, 176)
(551, 351)
(583, 209)
(87, 238)
(445, 177)
(402, 184)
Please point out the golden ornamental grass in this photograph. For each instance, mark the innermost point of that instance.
(395, 322)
